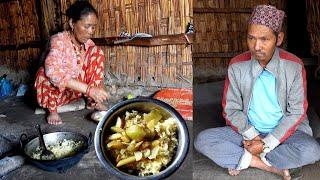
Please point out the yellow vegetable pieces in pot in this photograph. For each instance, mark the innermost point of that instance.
(152, 119)
(137, 157)
(135, 132)
(142, 142)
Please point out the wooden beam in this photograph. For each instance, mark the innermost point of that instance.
(109, 41)
(153, 41)
(310, 61)
(31, 44)
(222, 10)
(215, 54)
(306, 61)
(5, 1)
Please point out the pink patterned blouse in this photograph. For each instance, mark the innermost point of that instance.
(61, 63)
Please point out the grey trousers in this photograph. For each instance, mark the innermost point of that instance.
(224, 146)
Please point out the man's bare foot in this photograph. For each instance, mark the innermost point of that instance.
(233, 172)
(286, 174)
(54, 118)
(258, 163)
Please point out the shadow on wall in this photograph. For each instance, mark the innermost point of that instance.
(207, 109)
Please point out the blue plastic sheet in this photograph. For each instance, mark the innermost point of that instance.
(5, 87)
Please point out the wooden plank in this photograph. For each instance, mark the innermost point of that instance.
(309, 61)
(31, 44)
(154, 41)
(215, 54)
(109, 41)
(5, 1)
(222, 10)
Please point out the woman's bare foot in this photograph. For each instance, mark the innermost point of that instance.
(97, 106)
(98, 115)
(100, 107)
(90, 105)
(54, 118)
(233, 172)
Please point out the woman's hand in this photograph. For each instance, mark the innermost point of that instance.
(98, 94)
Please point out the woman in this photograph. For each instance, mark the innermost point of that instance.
(74, 66)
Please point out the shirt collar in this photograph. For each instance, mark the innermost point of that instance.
(272, 66)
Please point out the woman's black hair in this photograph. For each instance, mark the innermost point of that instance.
(79, 9)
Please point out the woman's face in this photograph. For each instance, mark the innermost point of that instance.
(84, 28)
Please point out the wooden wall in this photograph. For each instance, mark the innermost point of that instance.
(165, 65)
(26, 25)
(19, 34)
(221, 34)
(313, 25)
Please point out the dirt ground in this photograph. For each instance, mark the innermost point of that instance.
(17, 117)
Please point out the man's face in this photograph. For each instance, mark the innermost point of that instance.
(262, 42)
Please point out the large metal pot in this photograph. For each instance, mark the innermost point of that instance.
(141, 105)
(59, 165)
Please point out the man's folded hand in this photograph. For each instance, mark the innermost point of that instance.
(255, 147)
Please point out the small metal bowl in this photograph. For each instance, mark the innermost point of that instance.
(141, 105)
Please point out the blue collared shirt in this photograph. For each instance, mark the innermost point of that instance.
(264, 110)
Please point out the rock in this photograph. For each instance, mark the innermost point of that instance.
(9, 164)
(5, 145)
(74, 106)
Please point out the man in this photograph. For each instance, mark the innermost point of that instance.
(264, 105)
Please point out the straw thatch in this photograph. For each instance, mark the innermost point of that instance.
(313, 25)
(168, 65)
(19, 33)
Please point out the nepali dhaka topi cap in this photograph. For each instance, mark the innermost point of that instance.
(269, 16)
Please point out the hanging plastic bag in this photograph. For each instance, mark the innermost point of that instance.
(5, 86)
(22, 90)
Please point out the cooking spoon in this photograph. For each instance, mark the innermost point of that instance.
(45, 153)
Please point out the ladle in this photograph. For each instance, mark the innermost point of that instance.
(45, 153)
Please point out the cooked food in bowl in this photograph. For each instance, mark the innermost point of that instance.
(142, 143)
(141, 105)
(62, 149)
